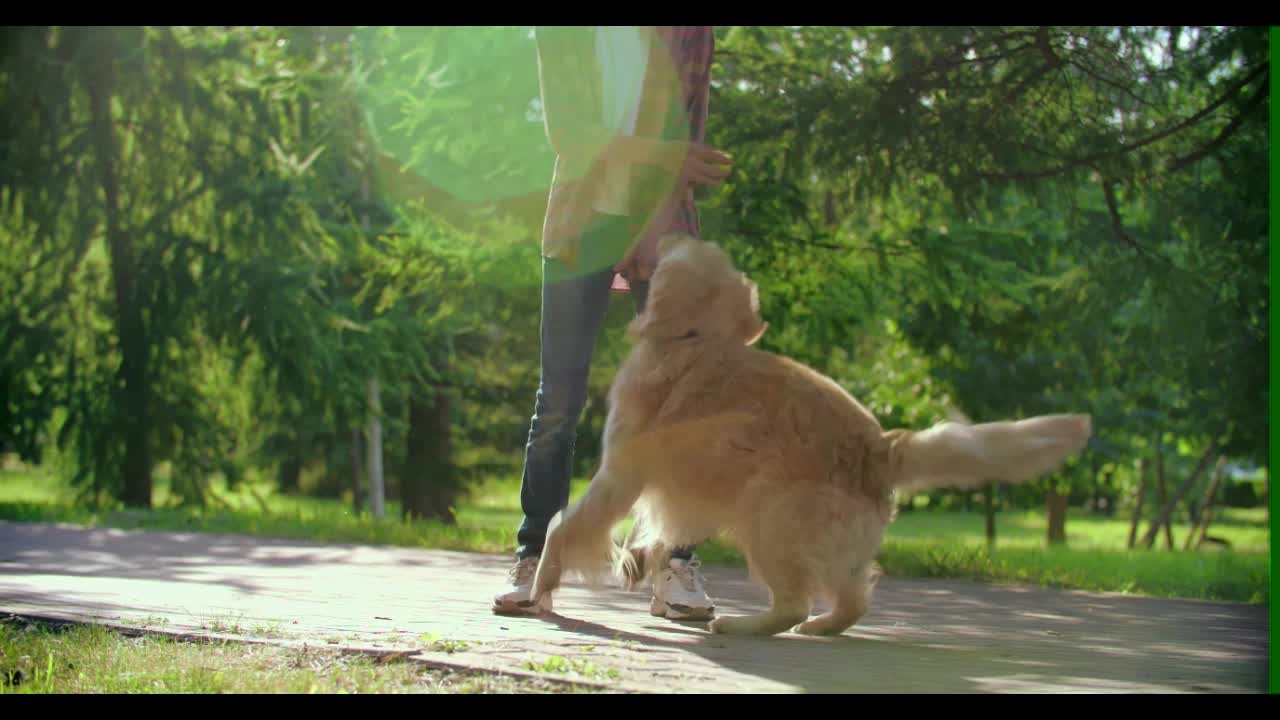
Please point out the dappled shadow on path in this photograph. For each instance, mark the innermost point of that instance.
(919, 636)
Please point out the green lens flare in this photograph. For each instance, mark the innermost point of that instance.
(457, 107)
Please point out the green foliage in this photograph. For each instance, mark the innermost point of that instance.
(1030, 205)
(457, 107)
(992, 220)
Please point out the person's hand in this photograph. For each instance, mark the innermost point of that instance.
(697, 163)
(640, 264)
(642, 260)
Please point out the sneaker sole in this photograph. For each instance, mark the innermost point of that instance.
(680, 612)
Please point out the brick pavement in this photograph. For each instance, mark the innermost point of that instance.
(921, 636)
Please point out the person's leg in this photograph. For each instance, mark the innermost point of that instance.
(574, 305)
(573, 311)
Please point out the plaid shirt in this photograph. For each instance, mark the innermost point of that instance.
(673, 106)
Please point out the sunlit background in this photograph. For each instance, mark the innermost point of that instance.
(285, 280)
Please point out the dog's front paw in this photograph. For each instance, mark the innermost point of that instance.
(733, 626)
(547, 579)
(818, 627)
(545, 586)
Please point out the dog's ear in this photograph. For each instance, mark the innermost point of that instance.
(737, 310)
(760, 325)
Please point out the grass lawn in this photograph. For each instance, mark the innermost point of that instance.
(919, 544)
(40, 659)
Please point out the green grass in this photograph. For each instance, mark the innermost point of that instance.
(435, 643)
(36, 659)
(572, 667)
(919, 544)
(1245, 529)
(27, 496)
(1241, 577)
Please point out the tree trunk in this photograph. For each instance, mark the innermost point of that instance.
(1161, 497)
(356, 501)
(1206, 511)
(130, 326)
(289, 478)
(989, 509)
(417, 479)
(1137, 506)
(1166, 511)
(1095, 502)
(1057, 506)
(334, 482)
(1266, 487)
(430, 490)
(377, 494)
(377, 488)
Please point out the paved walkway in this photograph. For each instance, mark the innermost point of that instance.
(921, 636)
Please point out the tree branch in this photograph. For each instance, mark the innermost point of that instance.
(1076, 163)
(159, 216)
(1204, 151)
(1087, 70)
(1165, 512)
(1113, 207)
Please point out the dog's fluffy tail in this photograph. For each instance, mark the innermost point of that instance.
(959, 455)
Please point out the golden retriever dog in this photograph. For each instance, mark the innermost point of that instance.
(707, 434)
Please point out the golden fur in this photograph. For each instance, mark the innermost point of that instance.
(706, 433)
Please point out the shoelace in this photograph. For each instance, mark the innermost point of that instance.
(523, 572)
(688, 574)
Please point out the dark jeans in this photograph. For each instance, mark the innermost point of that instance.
(573, 311)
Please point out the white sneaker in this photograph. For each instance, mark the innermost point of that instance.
(517, 599)
(678, 593)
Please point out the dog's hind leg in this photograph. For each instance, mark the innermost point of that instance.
(790, 598)
(784, 612)
(852, 597)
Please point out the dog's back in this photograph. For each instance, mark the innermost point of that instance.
(751, 440)
(706, 434)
